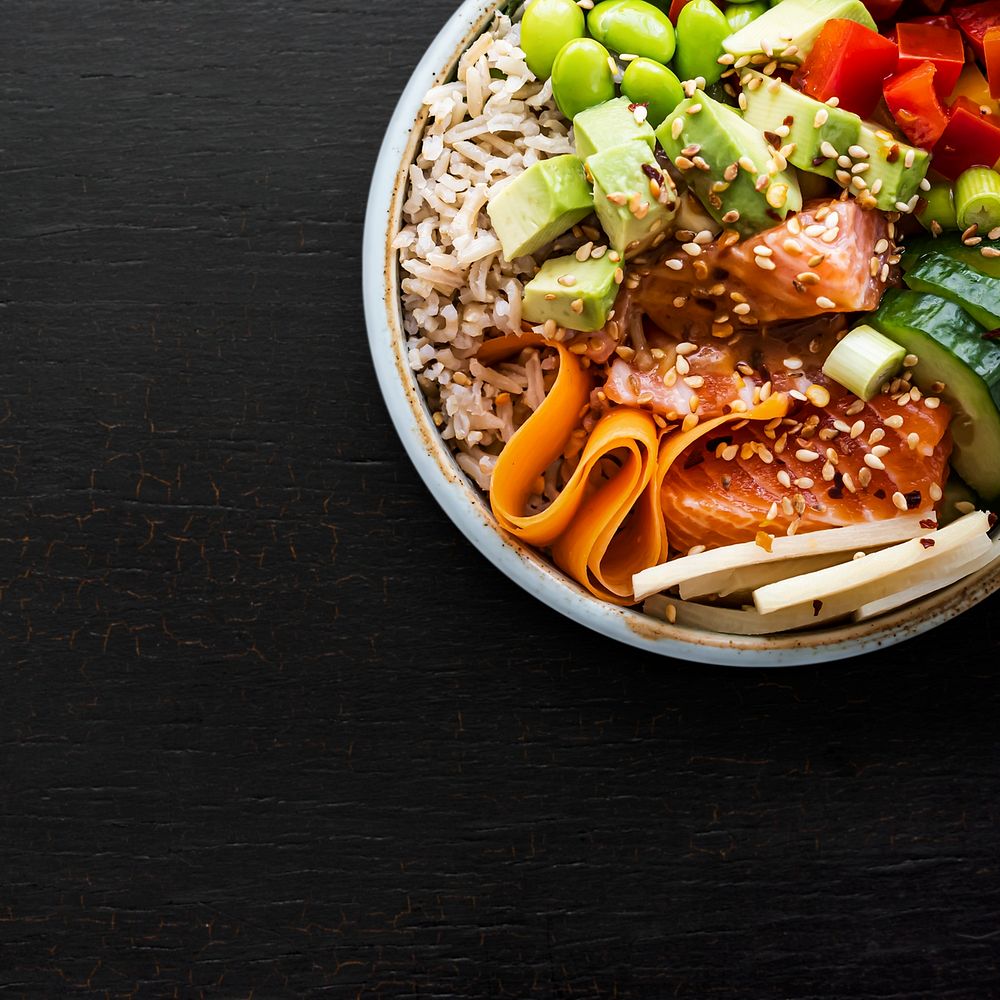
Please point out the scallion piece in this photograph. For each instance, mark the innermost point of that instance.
(863, 360)
(940, 208)
(977, 198)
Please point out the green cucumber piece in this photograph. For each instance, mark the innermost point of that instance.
(951, 247)
(950, 347)
(940, 274)
(956, 492)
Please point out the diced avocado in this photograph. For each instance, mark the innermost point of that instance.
(729, 165)
(895, 169)
(812, 125)
(574, 294)
(950, 347)
(793, 24)
(628, 188)
(540, 204)
(609, 124)
(975, 292)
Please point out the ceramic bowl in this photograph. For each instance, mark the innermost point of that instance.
(466, 505)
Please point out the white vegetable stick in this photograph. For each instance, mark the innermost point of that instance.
(938, 582)
(748, 621)
(748, 578)
(826, 583)
(735, 621)
(851, 539)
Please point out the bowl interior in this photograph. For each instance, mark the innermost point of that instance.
(468, 507)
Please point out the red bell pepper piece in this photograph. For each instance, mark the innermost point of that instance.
(991, 47)
(931, 43)
(676, 6)
(938, 20)
(848, 61)
(971, 139)
(976, 20)
(913, 100)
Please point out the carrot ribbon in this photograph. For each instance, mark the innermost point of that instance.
(602, 536)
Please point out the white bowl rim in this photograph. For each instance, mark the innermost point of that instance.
(464, 503)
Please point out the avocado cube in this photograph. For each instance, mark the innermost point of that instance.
(729, 165)
(895, 169)
(793, 23)
(812, 125)
(628, 184)
(540, 204)
(609, 124)
(577, 295)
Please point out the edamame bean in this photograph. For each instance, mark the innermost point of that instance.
(701, 29)
(633, 26)
(582, 76)
(740, 13)
(651, 83)
(546, 27)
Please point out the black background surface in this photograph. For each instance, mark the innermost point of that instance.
(269, 726)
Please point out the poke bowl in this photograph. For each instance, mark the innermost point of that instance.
(696, 343)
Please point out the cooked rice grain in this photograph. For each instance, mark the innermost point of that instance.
(482, 130)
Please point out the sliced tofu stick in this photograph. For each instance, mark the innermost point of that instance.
(749, 578)
(852, 539)
(938, 582)
(879, 570)
(735, 621)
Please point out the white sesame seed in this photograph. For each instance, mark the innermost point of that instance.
(880, 450)
(882, 246)
(909, 158)
(865, 476)
(765, 263)
(820, 118)
(784, 478)
(824, 303)
(793, 364)
(763, 251)
(805, 455)
(874, 462)
(674, 264)
(895, 421)
(804, 483)
(899, 500)
(858, 428)
(876, 435)
(964, 507)
(935, 492)
(814, 230)
(910, 361)
(692, 249)
(932, 402)
(685, 348)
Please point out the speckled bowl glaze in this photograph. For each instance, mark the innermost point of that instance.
(467, 506)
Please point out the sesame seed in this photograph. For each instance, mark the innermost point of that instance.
(900, 206)
(808, 277)
(874, 462)
(676, 127)
(910, 361)
(765, 263)
(932, 402)
(909, 158)
(814, 230)
(805, 455)
(820, 118)
(989, 251)
(690, 422)
(763, 251)
(828, 150)
(794, 226)
(795, 394)
(567, 280)
(882, 246)
(876, 435)
(804, 483)
(865, 475)
(742, 308)
(747, 164)
(683, 366)
(694, 109)
(704, 237)
(726, 59)
(880, 450)
(899, 501)
(935, 492)
(577, 306)
(694, 381)
(848, 482)
(685, 347)
(895, 421)
(855, 408)
(792, 363)
(818, 395)
(824, 303)
(843, 177)
(912, 440)
(674, 264)
(619, 276)
(884, 273)
(964, 507)
(857, 429)
(784, 478)
(692, 249)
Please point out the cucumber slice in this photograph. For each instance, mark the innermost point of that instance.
(951, 349)
(949, 246)
(956, 492)
(939, 274)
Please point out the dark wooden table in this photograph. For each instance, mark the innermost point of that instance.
(269, 726)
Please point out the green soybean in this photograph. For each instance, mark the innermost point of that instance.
(740, 14)
(582, 76)
(633, 26)
(701, 29)
(651, 83)
(546, 27)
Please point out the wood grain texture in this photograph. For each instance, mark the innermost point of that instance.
(269, 726)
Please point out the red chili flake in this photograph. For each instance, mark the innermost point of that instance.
(992, 334)
(893, 154)
(818, 161)
(913, 499)
(927, 543)
(817, 608)
(991, 519)
(692, 460)
(880, 494)
(920, 206)
(789, 120)
(774, 139)
(652, 173)
(928, 522)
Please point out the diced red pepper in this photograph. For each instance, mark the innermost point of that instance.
(971, 139)
(676, 6)
(931, 43)
(848, 61)
(991, 48)
(976, 20)
(913, 100)
(938, 20)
